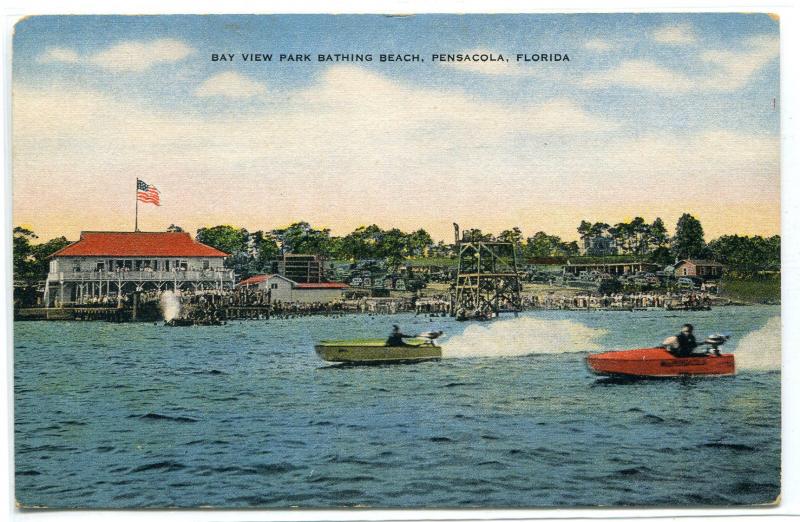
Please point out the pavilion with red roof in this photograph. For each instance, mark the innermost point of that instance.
(104, 266)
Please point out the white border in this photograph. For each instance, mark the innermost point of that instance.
(790, 502)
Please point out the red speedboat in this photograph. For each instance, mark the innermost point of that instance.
(658, 362)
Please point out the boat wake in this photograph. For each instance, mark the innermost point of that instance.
(523, 336)
(760, 350)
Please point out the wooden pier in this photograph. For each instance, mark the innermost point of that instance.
(110, 314)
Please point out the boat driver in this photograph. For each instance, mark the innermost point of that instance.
(396, 337)
(686, 341)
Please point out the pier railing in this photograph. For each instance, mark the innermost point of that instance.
(142, 276)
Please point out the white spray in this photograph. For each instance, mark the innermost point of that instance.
(760, 350)
(170, 305)
(523, 336)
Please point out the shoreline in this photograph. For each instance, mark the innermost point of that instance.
(122, 315)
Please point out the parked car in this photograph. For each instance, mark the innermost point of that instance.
(685, 282)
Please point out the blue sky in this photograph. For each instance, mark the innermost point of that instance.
(683, 94)
(426, 34)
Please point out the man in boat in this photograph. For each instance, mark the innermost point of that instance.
(396, 337)
(684, 343)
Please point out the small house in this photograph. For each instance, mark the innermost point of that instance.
(285, 290)
(702, 268)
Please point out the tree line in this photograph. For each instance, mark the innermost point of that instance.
(743, 256)
(32, 260)
(254, 252)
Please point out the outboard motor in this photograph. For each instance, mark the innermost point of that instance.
(430, 336)
(714, 342)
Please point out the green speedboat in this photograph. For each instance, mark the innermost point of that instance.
(376, 351)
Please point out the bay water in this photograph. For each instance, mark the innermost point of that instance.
(246, 415)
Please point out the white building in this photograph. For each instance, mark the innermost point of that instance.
(598, 246)
(112, 264)
(287, 291)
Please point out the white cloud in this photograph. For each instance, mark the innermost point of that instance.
(725, 71)
(354, 132)
(641, 74)
(352, 94)
(230, 85)
(58, 55)
(735, 69)
(599, 45)
(675, 35)
(137, 56)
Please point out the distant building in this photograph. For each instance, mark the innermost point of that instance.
(702, 268)
(550, 260)
(285, 290)
(598, 246)
(610, 268)
(111, 265)
(300, 268)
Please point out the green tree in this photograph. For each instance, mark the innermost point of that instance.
(32, 261)
(688, 241)
(475, 234)
(392, 246)
(640, 233)
(585, 229)
(745, 256)
(569, 249)
(231, 240)
(658, 236)
(263, 250)
(511, 236)
(661, 256)
(302, 238)
(542, 244)
(174, 228)
(23, 253)
(42, 253)
(419, 243)
(599, 229)
(441, 249)
(362, 243)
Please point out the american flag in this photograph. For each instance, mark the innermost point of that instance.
(147, 193)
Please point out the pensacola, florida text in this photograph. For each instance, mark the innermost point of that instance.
(388, 57)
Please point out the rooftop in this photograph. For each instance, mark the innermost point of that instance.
(699, 262)
(260, 278)
(138, 244)
(256, 279)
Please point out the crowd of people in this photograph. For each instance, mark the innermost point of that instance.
(211, 306)
(622, 301)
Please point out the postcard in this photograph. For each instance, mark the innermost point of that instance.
(424, 261)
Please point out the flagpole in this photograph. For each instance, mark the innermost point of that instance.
(136, 223)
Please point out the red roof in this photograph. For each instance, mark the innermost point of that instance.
(309, 286)
(138, 244)
(260, 278)
(254, 280)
